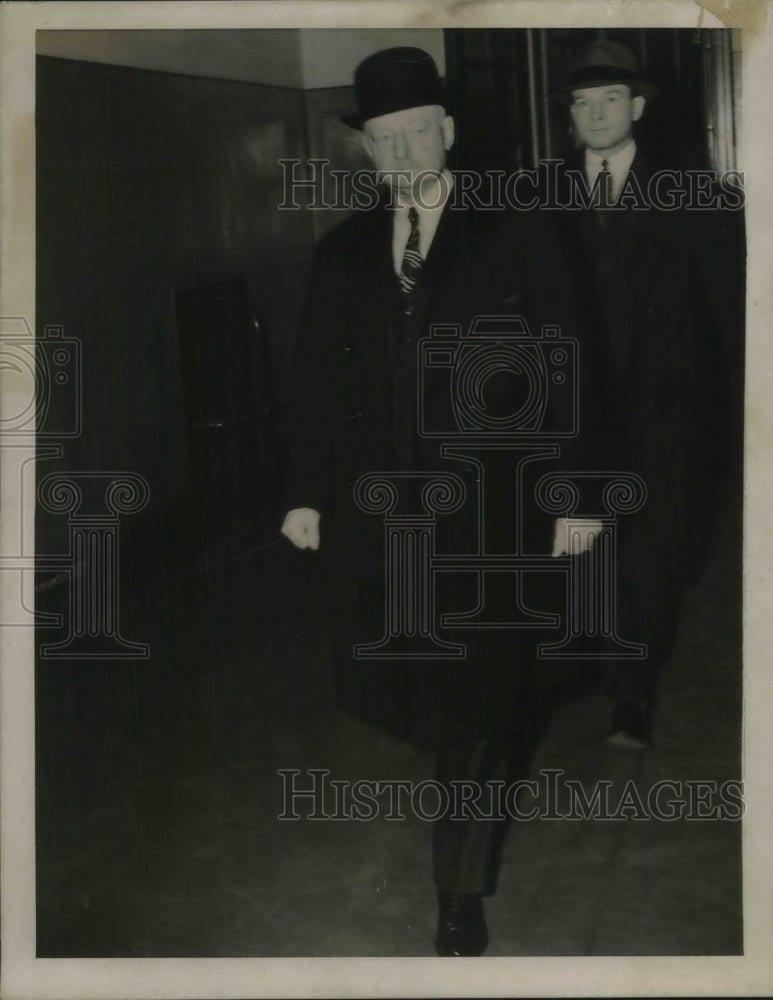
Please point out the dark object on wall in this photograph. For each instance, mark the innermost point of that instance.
(230, 412)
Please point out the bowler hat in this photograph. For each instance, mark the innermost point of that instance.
(393, 80)
(601, 63)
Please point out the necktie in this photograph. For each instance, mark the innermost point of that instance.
(412, 259)
(605, 194)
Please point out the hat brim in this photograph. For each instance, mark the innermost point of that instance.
(357, 120)
(564, 94)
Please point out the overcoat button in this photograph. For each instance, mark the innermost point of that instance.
(355, 414)
(348, 348)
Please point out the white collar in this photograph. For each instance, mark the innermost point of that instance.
(618, 163)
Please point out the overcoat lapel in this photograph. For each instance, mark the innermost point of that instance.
(445, 291)
(648, 239)
(370, 292)
(645, 240)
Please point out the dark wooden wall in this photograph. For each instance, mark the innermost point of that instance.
(147, 182)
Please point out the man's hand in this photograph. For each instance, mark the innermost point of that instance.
(301, 526)
(574, 535)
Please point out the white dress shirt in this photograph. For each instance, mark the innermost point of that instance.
(618, 164)
(434, 196)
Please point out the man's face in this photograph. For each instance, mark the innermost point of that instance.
(410, 141)
(603, 117)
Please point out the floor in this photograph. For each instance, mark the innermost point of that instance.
(159, 792)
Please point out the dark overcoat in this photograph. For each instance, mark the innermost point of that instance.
(354, 378)
(639, 275)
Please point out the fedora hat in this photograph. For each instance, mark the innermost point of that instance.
(393, 80)
(601, 63)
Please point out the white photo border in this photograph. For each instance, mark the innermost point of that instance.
(25, 976)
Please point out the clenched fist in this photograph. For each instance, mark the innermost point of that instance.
(301, 526)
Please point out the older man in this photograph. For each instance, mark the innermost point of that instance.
(380, 279)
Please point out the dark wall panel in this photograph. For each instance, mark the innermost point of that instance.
(147, 182)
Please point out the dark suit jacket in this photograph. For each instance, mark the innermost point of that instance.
(343, 423)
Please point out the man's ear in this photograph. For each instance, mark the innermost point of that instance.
(449, 132)
(367, 145)
(638, 107)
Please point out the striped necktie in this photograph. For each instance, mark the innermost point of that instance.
(412, 259)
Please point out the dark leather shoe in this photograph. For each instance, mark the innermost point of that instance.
(461, 928)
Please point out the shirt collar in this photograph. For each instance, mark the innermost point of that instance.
(618, 163)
